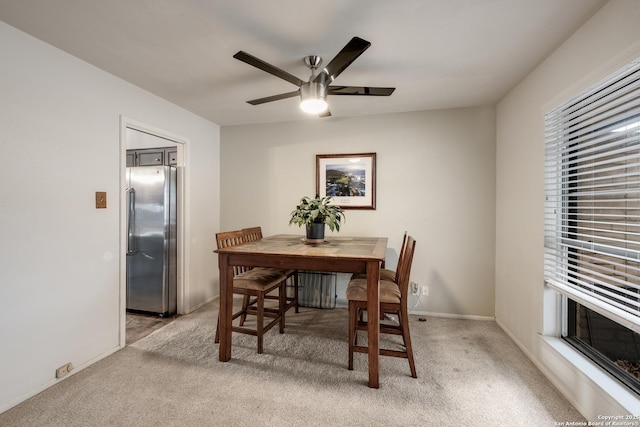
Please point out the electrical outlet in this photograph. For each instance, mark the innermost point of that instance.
(63, 370)
(414, 288)
(425, 290)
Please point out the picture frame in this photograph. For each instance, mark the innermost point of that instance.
(349, 179)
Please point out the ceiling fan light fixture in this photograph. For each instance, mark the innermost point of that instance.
(313, 105)
(313, 98)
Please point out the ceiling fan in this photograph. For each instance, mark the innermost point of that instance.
(313, 93)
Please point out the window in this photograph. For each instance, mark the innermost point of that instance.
(592, 220)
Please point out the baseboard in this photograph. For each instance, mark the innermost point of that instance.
(55, 381)
(194, 308)
(452, 316)
(344, 304)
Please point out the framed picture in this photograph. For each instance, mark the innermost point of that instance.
(349, 179)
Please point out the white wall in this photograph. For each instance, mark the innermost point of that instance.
(605, 43)
(435, 178)
(59, 257)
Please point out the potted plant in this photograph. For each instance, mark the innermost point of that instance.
(314, 214)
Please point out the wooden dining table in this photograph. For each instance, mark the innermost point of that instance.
(335, 254)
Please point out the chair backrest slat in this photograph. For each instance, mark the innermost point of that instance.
(226, 239)
(401, 255)
(252, 234)
(403, 272)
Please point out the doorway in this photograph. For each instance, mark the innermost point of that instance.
(142, 138)
(139, 325)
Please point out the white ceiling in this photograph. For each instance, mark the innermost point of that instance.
(437, 53)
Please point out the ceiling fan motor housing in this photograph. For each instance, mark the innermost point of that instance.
(313, 90)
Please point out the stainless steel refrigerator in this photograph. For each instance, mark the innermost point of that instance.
(151, 243)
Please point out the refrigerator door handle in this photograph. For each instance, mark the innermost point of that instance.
(132, 221)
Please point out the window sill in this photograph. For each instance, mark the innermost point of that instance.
(590, 388)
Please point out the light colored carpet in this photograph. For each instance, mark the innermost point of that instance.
(469, 374)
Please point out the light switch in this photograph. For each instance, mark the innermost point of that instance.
(101, 199)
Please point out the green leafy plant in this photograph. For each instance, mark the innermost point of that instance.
(318, 211)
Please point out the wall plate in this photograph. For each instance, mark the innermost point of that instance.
(101, 199)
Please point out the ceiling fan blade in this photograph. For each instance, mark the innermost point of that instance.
(343, 59)
(274, 97)
(259, 63)
(360, 90)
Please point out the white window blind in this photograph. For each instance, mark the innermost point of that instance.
(592, 198)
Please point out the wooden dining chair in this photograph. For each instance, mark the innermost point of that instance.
(393, 299)
(255, 233)
(257, 283)
(385, 273)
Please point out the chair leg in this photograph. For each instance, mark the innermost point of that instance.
(245, 305)
(260, 321)
(359, 313)
(295, 289)
(282, 303)
(353, 333)
(217, 339)
(406, 337)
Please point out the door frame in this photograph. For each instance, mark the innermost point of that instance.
(182, 286)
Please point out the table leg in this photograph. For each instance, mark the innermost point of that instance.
(373, 316)
(226, 307)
